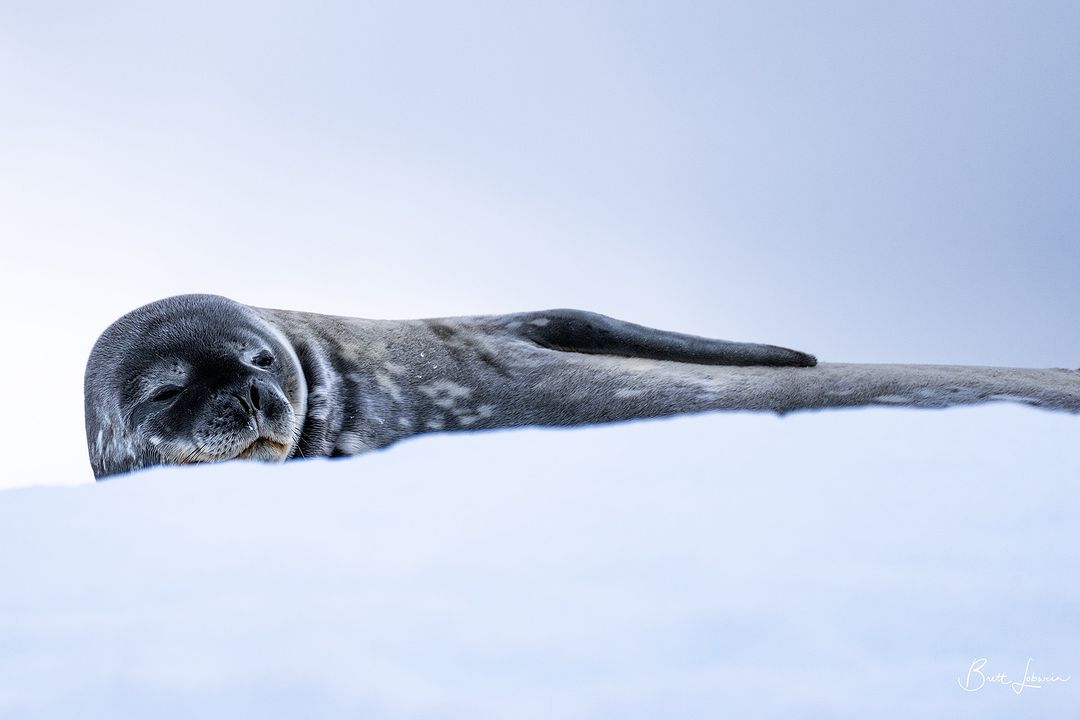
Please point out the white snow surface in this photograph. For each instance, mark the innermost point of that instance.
(728, 565)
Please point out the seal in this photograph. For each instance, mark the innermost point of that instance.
(201, 378)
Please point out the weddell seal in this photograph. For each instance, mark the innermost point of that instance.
(198, 378)
(201, 378)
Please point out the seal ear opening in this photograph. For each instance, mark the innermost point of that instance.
(586, 332)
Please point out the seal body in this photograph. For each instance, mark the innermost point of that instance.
(197, 378)
(371, 382)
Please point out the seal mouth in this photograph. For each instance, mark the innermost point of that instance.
(264, 448)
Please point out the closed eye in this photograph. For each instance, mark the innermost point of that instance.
(263, 360)
(166, 393)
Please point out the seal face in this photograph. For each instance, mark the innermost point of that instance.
(194, 378)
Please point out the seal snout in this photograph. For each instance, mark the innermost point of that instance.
(263, 421)
(250, 398)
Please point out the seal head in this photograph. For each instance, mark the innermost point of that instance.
(192, 378)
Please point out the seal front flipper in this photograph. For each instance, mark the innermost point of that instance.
(595, 334)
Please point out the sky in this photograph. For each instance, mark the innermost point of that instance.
(867, 181)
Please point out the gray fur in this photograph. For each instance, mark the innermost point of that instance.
(342, 386)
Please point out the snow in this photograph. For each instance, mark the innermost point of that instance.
(839, 564)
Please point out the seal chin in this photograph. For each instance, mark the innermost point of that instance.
(265, 449)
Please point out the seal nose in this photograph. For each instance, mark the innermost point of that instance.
(250, 398)
(245, 402)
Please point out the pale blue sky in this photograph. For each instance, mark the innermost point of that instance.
(885, 183)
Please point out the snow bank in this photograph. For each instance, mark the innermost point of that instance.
(848, 564)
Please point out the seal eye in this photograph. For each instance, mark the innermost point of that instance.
(166, 393)
(263, 360)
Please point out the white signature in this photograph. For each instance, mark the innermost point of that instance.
(977, 678)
